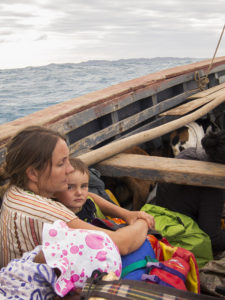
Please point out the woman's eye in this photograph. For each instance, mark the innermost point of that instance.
(61, 163)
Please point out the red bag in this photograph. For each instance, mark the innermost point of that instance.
(172, 273)
(177, 267)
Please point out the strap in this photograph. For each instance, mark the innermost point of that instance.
(167, 269)
(155, 279)
(137, 265)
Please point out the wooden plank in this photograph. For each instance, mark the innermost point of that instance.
(192, 105)
(96, 138)
(83, 117)
(86, 144)
(180, 171)
(207, 92)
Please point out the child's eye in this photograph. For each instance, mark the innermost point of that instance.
(70, 186)
(84, 186)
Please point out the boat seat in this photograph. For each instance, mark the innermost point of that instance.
(163, 169)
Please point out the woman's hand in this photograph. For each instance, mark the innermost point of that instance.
(112, 210)
(132, 216)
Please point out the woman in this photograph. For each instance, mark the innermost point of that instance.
(37, 165)
(203, 204)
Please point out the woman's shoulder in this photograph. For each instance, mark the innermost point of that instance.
(26, 202)
(18, 195)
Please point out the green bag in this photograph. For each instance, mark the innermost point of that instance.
(181, 231)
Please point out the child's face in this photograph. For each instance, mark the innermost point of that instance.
(76, 195)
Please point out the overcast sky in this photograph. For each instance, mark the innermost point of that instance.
(39, 32)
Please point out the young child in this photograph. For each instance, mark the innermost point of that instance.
(77, 198)
(87, 206)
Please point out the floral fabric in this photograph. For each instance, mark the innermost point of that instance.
(77, 253)
(22, 279)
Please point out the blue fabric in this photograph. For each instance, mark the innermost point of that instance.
(23, 279)
(139, 254)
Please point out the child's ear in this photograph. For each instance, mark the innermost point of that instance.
(32, 174)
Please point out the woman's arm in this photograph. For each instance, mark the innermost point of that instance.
(127, 239)
(112, 210)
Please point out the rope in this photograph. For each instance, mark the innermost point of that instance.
(203, 81)
(218, 44)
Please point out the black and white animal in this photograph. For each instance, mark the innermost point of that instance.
(189, 135)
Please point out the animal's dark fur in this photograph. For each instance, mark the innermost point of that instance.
(129, 190)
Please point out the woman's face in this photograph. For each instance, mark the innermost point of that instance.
(55, 178)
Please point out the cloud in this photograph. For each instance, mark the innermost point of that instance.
(98, 29)
(42, 37)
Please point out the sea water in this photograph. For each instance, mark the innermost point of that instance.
(30, 89)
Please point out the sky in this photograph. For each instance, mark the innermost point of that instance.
(40, 32)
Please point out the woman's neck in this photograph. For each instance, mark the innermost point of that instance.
(32, 187)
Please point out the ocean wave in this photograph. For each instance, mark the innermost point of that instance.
(26, 90)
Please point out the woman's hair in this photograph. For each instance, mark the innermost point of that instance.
(32, 146)
(3, 183)
(79, 165)
(214, 145)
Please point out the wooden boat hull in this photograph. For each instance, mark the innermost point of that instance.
(99, 118)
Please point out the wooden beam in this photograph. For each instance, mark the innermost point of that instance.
(180, 171)
(207, 92)
(122, 126)
(185, 108)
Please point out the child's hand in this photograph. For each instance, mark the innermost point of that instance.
(132, 216)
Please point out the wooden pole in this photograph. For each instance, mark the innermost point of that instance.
(100, 154)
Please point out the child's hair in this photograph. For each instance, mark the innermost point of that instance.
(79, 165)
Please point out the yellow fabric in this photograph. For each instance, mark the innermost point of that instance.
(99, 213)
(112, 197)
(222, 224)
(167, 251)
(192, 277)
